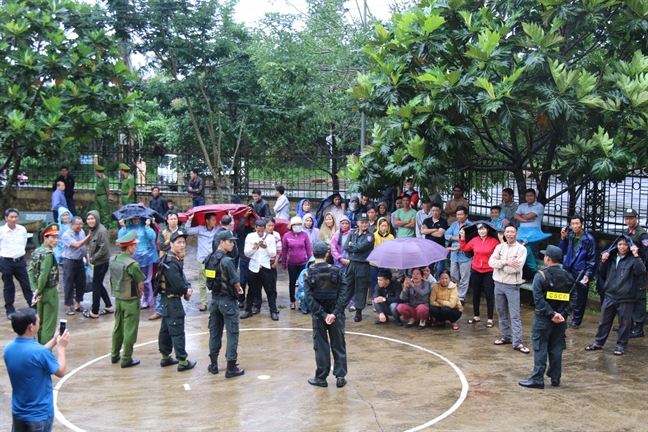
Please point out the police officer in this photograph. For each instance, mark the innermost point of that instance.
(224, 311)
(327, 294)
(174, 287)
(127, 286)
(102, 194)
(128, 185)
(359, 246)
(555, 298)
(640, 238)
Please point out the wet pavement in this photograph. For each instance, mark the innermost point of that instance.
(399, 379)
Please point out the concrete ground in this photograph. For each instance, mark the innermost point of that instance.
(399, 379)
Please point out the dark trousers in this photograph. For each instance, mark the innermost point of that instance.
(322, 332)
(17, 269)
(172, 329)
(75, 281)
(548, 341)
(99, 292)
(582, 291)
(198, 202)
(483, 282)
(55, 214)
(258, 298)
(609, 309)
(639, 309)
(264, 278)
(243, 272)
(70, 206)
(224, 313)
(373, 279)
(293, 274)
(445, 313)
(32, 426)
(383, 308)
(357, 278)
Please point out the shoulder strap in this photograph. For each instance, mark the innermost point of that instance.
(542, 274)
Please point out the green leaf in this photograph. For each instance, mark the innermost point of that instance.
(432, 23)
(467, 17)
(383, 34)
(562, 76)
(52, 104)
(539, 37)
(17, 120)
(416, 147)
(483, 83)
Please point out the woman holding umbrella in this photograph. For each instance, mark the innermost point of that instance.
(145, 254)
(481, 275)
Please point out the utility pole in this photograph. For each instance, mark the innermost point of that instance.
(363, 118)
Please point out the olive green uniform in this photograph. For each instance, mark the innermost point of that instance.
(224, 312)
(359, 246)
(172, 328)
(125, 275)
(326, 292)
(101, 200)
(127, 184)
(43, 277)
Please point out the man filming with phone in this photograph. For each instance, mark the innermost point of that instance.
(30, 366)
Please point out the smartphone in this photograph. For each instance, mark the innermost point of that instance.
(62, 326)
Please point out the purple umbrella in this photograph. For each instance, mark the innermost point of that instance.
(404, 253)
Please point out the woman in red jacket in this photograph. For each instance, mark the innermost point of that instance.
(481, 275)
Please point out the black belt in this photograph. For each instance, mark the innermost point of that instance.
(72, 259)
(12, 259)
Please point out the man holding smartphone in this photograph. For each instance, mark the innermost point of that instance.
(30, 365)
(259, 247)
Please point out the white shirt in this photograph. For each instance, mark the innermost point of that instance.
(337, 212)
(420, 217)
(535, 208)
(259, 257)
(13, 241)
(282, 208)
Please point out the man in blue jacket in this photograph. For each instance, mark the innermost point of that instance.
(579, 250)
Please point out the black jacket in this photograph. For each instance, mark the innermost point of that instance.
(622, 280)
(241, 232)
(391, 293)
(261, 208)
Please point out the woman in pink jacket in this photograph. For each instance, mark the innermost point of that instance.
(296, 251)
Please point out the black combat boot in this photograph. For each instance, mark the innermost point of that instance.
(213, 367)
(232, 369)
(358, 315)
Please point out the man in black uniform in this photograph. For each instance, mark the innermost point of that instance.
(555, 298)
(174, 286)
(327, 294)
(224, 285)
(640, 238)
(359, 246)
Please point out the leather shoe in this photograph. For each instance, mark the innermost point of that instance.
(190, 365)
(114, 360)
(615, 328)
(212, 368)
(246, 315)
(399, 322)
(317, 382)
(532, 384)
(358, 316)
(130, 363)
(274, 316)
(256, 310)
(574, 326)
(555, 382)
(168, 362)
(636, 332)
(231, 373)
(341, 382)
(155, 316)
(241, 305)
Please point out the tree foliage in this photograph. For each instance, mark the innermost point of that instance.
(62, 80)
(534, 88)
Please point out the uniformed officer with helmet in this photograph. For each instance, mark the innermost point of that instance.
(174, 288)
(327, 295)
(555, 299)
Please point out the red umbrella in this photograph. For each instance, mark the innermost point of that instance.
(236, 210)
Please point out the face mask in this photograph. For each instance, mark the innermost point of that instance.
(353, 207)
(297, 228)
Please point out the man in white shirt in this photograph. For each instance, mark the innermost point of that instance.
(205, 234)
(260, 247)
(13, 239)
(282, 206)
(421, 215)
(529, 215)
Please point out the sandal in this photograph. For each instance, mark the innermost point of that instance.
(502, 341)
(106, 311)
(80, 309)
(203, 308)
(89, 314)
(474, 320)
(522, 349)
(69, 311)
(489, 324)
(292, 306)
(455, 326)
(619, 351)
(593, 347)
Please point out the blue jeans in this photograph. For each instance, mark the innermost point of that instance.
(32, 426)
(158, 306)
(243, 272)
(439, 267)
(196, 203)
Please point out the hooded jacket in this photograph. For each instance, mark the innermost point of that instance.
(58, 249)
(313, 232)
(622, 278)
(581, 258)
(99, 244)
(302, 215)
(337, 245)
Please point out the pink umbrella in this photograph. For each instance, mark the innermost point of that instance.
(405, 253)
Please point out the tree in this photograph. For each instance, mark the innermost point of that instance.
(63, 83)
(533, 88)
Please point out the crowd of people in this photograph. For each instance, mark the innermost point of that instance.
(244, 252)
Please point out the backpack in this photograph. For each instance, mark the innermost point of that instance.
(214, 274)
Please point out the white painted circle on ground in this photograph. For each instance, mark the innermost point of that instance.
(462, 397)
(264, 377)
